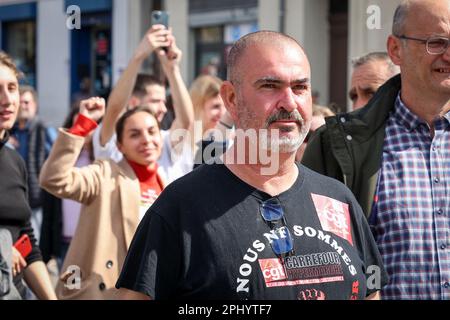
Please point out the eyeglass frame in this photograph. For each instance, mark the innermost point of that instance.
(272, 224)
(426, 41)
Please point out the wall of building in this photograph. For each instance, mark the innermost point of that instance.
(179, 21)
(269, 15)
(126, 33)
(53, 61)
(315, 39)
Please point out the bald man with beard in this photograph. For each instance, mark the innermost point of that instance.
(245, 229)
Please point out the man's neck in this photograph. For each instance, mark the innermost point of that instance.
(2, 134)
(22, 124)
(272, 178)
(427, 108)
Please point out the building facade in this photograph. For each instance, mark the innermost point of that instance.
(63, 51)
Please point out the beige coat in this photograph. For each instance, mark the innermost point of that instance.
(110, 196)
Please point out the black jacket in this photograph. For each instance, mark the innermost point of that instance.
(349, 146)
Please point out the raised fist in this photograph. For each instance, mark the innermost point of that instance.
(93, 108)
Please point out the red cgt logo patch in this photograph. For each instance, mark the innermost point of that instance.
(334, 216)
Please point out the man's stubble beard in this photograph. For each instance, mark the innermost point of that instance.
(270, 140)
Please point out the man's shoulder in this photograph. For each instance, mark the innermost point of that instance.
(191, 190)
(11, 157)
(322, 182)
(199, 178)
(315, 176)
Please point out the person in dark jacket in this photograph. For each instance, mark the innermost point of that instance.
(394, 154)
(33, 140)
(15, 212)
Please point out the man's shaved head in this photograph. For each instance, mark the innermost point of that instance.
(259, 37)
(406, 7)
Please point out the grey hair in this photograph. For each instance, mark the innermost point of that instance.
(373, 57)
(24, 89)
(400, 14)
(243, 43)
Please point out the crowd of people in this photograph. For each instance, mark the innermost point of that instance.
(253, 191)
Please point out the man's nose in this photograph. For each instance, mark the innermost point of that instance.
(287, 101)
(163, 108)
(446, 54)
(5, 97)
(359, 103)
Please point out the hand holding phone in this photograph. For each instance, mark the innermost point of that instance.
(23, 245)
(161, 17)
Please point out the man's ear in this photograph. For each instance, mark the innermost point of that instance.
(228, 94)
(395, 49)
(133, 102)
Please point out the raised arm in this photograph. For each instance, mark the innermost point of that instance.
(182, 104)
(59, 175)
(156, 37)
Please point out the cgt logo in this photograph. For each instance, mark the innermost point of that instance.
(334, 216)
(272, 270)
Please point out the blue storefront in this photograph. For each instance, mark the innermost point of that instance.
(18, 37)
(91, 47)
(91, 54)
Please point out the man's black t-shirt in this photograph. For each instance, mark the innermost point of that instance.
(204, 238)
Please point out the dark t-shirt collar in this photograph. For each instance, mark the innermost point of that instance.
(4, 140)
(263, 196)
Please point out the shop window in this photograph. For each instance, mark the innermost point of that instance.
(19, 41)
(210, 58)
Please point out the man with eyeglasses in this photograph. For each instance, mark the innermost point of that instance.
(233, 230)
(394, 154)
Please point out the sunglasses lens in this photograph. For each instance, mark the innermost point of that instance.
(283, 244)
(271, 211)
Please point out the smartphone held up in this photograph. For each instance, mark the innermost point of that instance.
(160, 17)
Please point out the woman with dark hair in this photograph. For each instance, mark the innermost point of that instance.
(15, 211)
(114, 197)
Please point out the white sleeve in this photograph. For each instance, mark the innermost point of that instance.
(172, 164)
(109, 150)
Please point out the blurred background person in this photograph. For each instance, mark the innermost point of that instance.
(212, 67)
(369, 73)
(85, 92)
(114, 196)
(33, 139)
(15, 212)
(318, 120)
(212, 123)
